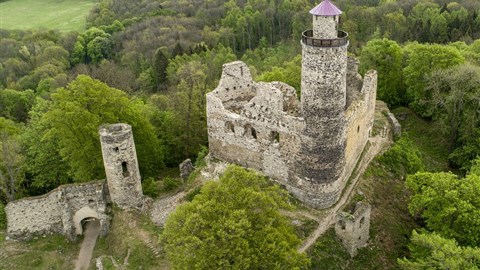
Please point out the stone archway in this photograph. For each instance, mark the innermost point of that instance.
(83, 213)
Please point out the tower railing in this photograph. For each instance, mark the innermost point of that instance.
(308, 39)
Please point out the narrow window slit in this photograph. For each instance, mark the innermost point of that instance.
(125, 171)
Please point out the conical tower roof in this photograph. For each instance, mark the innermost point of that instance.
(326, 8)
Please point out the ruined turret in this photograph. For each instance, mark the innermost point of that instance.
(353, 228)
(121, 165)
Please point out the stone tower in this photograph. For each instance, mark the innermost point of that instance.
(121, 165)
(353, 228)
(323, 101)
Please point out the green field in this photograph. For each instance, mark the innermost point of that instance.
(64, 15)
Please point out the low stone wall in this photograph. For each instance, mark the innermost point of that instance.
(54, 212)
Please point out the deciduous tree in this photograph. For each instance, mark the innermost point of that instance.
(448, 205)
(432, 251)
(234, 223)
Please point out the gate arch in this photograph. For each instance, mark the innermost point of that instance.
(83, 213)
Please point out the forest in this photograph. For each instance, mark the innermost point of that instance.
(150, 63)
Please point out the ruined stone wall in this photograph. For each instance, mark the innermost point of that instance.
(35, 215)
(260, 132)
(121, 165)
(54, 211)
(325, 27)
(353, 229)
(360, 116)
(81, 196)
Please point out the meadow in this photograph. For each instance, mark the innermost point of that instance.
(63, 15)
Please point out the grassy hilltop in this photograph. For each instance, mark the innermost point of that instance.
(64, 15)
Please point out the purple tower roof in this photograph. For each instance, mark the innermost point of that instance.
(326, 8)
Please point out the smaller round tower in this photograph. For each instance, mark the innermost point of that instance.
(121, 165)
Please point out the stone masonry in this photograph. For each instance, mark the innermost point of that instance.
(65, 209)
(353, 228)
(310, 146)
(121, 165)
(61, 211)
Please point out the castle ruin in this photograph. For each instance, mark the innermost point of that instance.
(311, 145)
(65, 209)
(353, 227)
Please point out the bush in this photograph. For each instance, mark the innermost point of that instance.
(3, 217)
(192, 193)
(170, 184)
(150, 187)
(403, 158)
(200, 161)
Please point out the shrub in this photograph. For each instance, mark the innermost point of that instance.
(170, 184)
(150, 187)
(200, 161)
(403, 157)
(3, 217)
(192, 193)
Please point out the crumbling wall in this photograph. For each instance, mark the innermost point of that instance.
(54, 211)
(265, 132)
(311, 147)
(35, 215)
(263, 129)
(353, 228)
(360, 116)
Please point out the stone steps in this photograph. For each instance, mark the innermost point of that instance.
(152, 248)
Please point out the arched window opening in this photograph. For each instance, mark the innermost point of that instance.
(229, 127)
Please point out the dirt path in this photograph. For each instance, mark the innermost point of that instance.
(85, 256)
(377, 145)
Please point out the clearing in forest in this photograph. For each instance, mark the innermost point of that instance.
(63, 15)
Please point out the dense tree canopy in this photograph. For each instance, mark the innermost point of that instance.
(385, 56)
(431, 251)
(455, 103)
(449, 206)
(11, 159)
(234, 223)
(70, 122)
(422, 60)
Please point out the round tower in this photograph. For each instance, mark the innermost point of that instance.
(323, 99)
(121, 165)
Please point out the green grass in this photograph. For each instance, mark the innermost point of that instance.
(427, 137)
(63, 15)
(51, 252)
